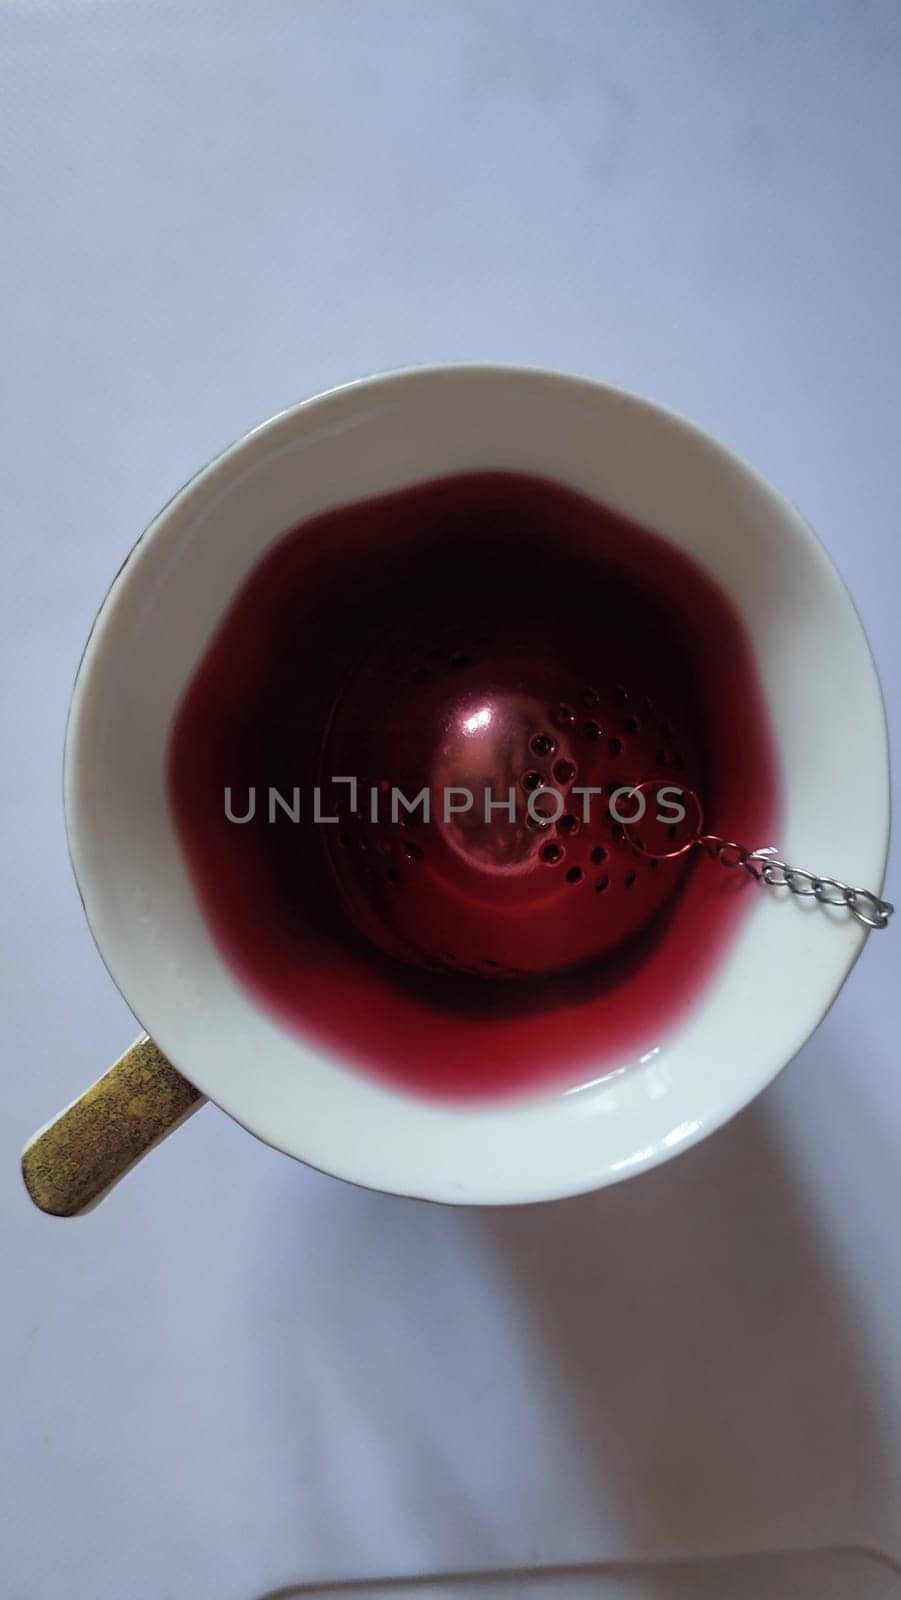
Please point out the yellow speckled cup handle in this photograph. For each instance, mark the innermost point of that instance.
(72, 1163)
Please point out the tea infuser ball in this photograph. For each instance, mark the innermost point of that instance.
(518, 868)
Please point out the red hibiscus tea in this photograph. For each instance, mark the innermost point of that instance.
(417, 774)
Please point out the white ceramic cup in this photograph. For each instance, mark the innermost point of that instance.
(788, 959)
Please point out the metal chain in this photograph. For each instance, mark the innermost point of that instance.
(765, 866)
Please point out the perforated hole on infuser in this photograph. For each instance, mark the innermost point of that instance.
(539, 821)
(564, 771)
(598, 854)
(543, 744)
(591, 730)
(552, 852)
(563, 715)
(531, 780)
(575, 875)
(569, 823)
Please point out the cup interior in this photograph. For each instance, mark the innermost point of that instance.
(787, 959)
